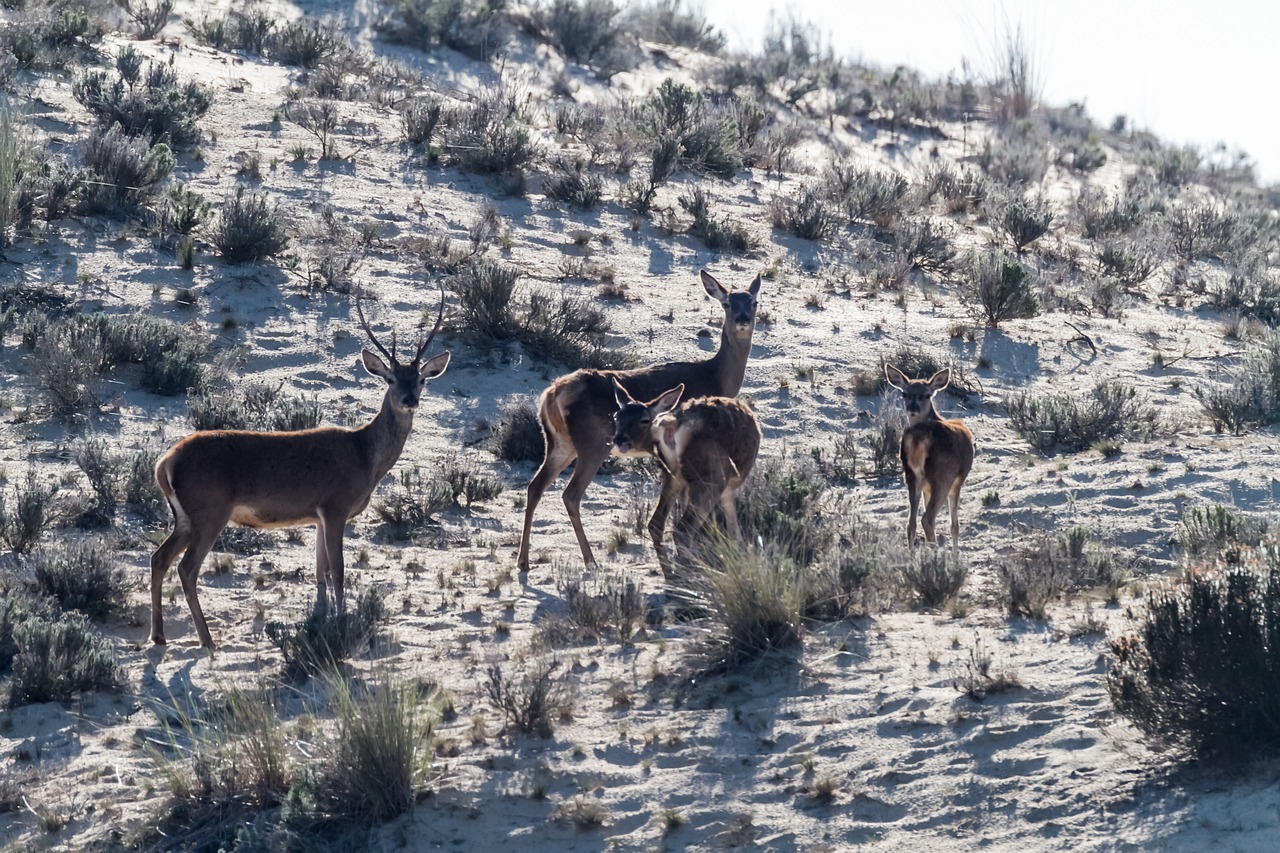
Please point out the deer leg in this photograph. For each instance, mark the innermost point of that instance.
(322, 572)
(331, 530)
(914, 487)
(701, 502)
(201, 542)
(161, 560)
(936, 498)
(729, 506)
(557, 458)
(584, 471)
(955, 513)
(658, 521)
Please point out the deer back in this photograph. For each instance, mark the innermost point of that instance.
(713, 440)
(271, 478)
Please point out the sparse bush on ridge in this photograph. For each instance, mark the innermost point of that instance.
(705, 137)
(673, 22)
(476, 29)
(247, 29)
(1015, 162)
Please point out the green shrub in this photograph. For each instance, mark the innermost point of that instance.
(935, 576)
(55, 661)
(998, 288)
(1200, 671)
(248, 229)
(1214, 530)
(1022, 220)
(1111, 410)
(408, 505)
(31, 512)
(155, 104)
(307, 43)
(124, 171)
(807, 214)
(473, 28)
(322, 641)
(582, 30)
(255, 406)
(572, 183)
(81, 575)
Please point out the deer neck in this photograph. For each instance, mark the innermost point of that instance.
(729, 364)
(385, 436)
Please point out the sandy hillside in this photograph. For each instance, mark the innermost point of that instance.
(865, 710)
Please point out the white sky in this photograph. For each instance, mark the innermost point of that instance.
(1199, 72)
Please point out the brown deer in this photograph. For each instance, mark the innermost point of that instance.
(936, 453)
(321, 476)
(576, 412)
(707, 447)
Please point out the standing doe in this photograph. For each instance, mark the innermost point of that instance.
(707, 447)
(321, 476)
(936, 453)
(576, 412)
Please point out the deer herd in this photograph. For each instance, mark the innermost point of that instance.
(685, 414)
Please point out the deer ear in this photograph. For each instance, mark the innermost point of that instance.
(434, 366)
(896, 377)
(940, 380)
(754, 289)
(375, 365)
(620, 395)
(714, 288)
(668, 400)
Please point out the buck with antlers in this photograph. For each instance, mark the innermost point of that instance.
(936, 453)
(321, 476)
(707, 447)
(576, 412)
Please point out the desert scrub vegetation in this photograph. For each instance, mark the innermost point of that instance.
(997, 287)
(715, 232)
(517, 437)
(558, 327)
(609, 605)
(1209, 531)
(1199, 670)
(1110, 410)
(246, 29)
(753, 601)
(1019, 218)
(1055, 564)
(573, 183)
(123, 171)
(492, 136)
(32, 510)
(46, 655)
(82, 575)
(407, 507)
(72, 355)
(116, 477)
(934, 576)
(673, 22)
(247, 766)
(806, 214)
(153, 104)
(706, 137)
(1251, 395)
(255, 406)
(531, 701)
(475, 29)
(248, 229)
(322, 641)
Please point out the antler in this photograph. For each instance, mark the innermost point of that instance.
(365, 325)
(439, 319)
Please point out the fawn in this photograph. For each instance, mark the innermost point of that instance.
(937, 453)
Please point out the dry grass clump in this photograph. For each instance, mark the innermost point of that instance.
(408, 506)
(1069, 561)
(753, 601)
(934, 576)
(531, 702)
(977, 677)
(609, 605)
